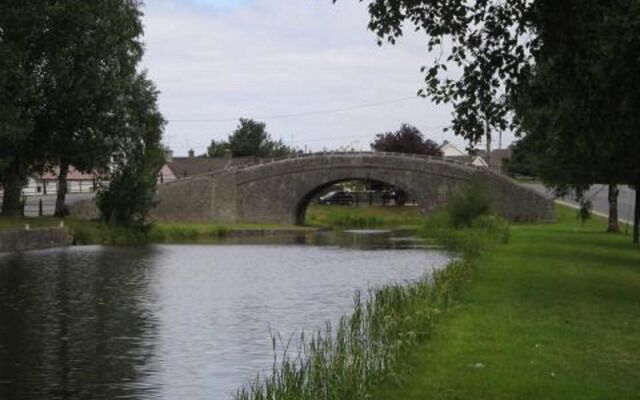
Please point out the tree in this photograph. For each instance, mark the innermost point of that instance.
(582, 52)
(218, 148)
(490, 43)
(63, 73)
(89, 64)
(131, 191)
(407, 139)
(579, 97)
(250, 138)
(22, 25)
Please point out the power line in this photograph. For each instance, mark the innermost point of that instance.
(304, 113)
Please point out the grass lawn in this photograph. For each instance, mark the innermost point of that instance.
(554, 314)
(364, 217)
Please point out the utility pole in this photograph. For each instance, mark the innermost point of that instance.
(488, 137)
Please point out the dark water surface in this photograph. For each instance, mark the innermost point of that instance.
(171, 322)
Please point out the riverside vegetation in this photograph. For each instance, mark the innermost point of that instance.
(371, 346)
(324, 217)
(551, 311)
(554, 314)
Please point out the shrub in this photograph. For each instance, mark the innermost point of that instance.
(472, 201)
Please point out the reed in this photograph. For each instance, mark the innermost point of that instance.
(372, 344)
(364, 348)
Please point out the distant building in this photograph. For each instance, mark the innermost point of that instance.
(184, 167)
(451, 152)
(47, 183)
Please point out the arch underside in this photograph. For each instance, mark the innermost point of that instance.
(284, 198)
(303, 203)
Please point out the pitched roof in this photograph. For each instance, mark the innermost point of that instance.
(72, 175)
(189, 166)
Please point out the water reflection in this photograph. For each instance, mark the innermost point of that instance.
(76, 324)
(171, 322)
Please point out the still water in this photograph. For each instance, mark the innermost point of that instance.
(174, 321)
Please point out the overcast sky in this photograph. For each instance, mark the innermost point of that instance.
(217, 60)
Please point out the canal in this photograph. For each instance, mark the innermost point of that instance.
(174, 321)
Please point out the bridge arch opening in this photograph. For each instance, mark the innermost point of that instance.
(355, 192)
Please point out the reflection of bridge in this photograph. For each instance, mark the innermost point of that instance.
(280, 191)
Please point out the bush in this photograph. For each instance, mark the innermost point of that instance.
(483, 232)
(468, 204)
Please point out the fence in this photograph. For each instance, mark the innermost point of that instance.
(33, 206)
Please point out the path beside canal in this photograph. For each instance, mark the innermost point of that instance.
(554, 314)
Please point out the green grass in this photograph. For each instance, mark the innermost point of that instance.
(554, 314)
(19, 223)
(175, 232)
(338, 217)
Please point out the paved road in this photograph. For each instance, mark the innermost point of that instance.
(599, 197)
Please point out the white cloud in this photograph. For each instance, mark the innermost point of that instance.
(231, 58)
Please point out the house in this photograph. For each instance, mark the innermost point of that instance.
(183, 167)
(47, 183)
(451, 152)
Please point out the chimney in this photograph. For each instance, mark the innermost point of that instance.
(168, 155)
(192, 153)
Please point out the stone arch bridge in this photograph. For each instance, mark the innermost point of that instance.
(280, 191)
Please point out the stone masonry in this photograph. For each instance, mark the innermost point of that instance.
(279, 191)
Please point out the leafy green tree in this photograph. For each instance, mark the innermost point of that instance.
(218, 148)
(133, 175)
(250, 138)
(574, 58)
(579, 98)
(488, 42)
(64, 69)
(22, 25)
(89, 64)
(407, 139)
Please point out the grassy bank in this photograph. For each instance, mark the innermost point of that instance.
(372, 345)
(340, 217)
(555, 314)
(94, 232)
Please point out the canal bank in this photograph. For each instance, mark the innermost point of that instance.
(554, 314)
(28, 238)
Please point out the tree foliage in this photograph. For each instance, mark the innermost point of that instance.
(132, 177)
(218, 148)
(68, 88)
(565, 71)
(407, 139)
(483, 51)
(89, 64)
(250, 138)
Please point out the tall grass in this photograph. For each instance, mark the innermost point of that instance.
(176, 232)
(341, 217)
(365, 348)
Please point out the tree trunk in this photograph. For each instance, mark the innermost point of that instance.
(62, 190)
(13, 182)
(636, 218)
(614, 227)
